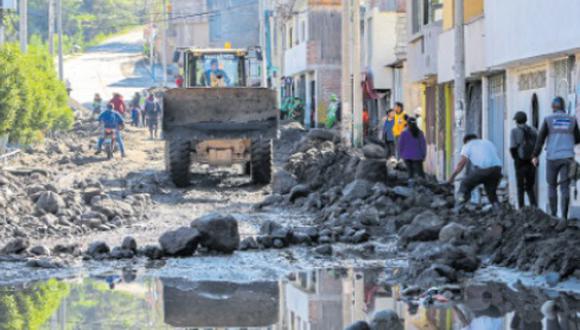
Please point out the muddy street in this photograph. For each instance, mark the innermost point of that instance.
(341, 238)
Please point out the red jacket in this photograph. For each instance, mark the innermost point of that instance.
(118, 105)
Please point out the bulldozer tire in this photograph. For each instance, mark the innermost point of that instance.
(178, 162)
(261, 162)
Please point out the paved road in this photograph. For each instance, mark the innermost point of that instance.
(111, 67)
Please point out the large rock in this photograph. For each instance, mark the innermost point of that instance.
(283, 182)
(98, 248)
(218, 232)
(298, 191)
(152, 252)
(112, 208)
(425, 227)
(129, 243)
(373, 170)
(323, 134)
(386, 320)
(374, 151)
(15, 246)
(358, 189)
(451, 232)
(181, 242)
(40, 250)
(50, 202)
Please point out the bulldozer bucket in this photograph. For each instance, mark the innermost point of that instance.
(220, 113)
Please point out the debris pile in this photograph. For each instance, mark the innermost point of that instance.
(360, 196)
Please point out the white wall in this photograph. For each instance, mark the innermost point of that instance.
(474, 51)
(384, 42)
(422, 53)
(521, 29)
(295, 59)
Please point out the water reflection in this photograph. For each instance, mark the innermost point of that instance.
(323, 299)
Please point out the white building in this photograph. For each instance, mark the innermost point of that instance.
(538, 45)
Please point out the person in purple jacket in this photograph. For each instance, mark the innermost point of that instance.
(413, 149)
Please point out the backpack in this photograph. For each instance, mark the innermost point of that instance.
(526, 148)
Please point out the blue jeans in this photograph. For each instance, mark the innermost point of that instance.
(119, 139)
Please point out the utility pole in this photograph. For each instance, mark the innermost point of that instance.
(164, 36)
(23, 31)
(262, 40)
(356, 77)
(459, 85)
(59, 31)
(51, 26)
(346, 91)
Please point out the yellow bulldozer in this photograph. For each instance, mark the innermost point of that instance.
(219, 117)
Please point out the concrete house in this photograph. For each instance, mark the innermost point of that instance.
(311, 39)
(540, 60)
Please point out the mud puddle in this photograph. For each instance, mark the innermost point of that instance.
(323, 298)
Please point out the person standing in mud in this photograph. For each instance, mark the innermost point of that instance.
(388, 136)
(485, 169)
(413, 149)
(561, 134)
(522, 143)
(152, 111)
(400, 123)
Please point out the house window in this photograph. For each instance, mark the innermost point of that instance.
(424, 12)
(291, 38)
(416, 16)
(303, 32)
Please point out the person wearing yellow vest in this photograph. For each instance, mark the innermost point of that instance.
(400, 123)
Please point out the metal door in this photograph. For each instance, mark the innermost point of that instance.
(473, 116)
(496, 113)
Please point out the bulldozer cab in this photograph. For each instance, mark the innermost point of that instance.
(219, 68)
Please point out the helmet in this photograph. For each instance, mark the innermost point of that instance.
(520, 117)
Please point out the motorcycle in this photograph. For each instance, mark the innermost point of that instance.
(109, 143)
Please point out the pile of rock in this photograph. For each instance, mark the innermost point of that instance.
(32, 206)
(360, 196)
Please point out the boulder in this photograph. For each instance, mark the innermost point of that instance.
(120, 253)
(153, 252)
(130, 244)
(50, 202)
(404, 192)
(358, 189)
(424, 227)
(323, 135)
(324, 249)
(218, 232)
(73, 249)
(298, 191)
(451, 232)
(181, 242)
(386, 320)
(374, 151)
(97, 248)
(112, 208)
(373, 170)
(249, 243)
(15, 246)
(283, 182)
(40, 250)
(45, 263)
